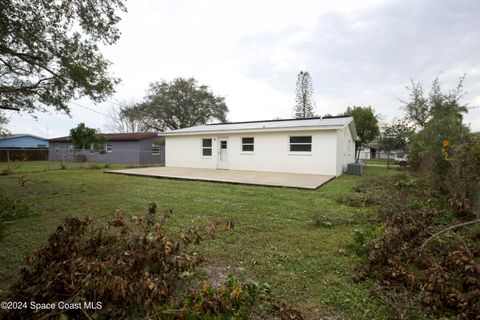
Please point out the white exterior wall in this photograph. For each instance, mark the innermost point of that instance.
(271, 152)
(365, 153)
(345, 149)
(186, 151)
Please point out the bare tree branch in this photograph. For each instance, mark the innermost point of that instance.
(5, 89)
(10, 108)
(33, 60)
(447, 229)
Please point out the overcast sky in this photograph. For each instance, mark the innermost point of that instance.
(357, 52)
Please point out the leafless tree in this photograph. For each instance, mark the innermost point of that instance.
(118, 120)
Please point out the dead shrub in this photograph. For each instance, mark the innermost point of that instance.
(442, 276)
(132, 270)
(135, 270)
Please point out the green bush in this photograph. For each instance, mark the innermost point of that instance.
(405, 181)
(234, 300)
(464, 177)
(6, 171)
(363, 239)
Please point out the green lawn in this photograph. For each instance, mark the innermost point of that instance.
(378, 161)
(19, 167)
(275, 239)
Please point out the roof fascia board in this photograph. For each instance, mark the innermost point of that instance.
(259, 130)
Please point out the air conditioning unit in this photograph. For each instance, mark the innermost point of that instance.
(355, 169)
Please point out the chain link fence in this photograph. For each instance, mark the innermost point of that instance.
(115, 156)
(154, 156)
(25, 154)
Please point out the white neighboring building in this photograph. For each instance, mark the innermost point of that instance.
(313, 146)
(369, 152)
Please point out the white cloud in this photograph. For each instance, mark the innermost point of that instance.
(358, 53)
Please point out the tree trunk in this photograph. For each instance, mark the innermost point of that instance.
(355, 155)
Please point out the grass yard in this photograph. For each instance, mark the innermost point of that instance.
(379, 161)
(275, 240)
(19, 167)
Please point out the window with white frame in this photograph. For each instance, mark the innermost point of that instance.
(301, 144)
(70, 148)
(155, 149)
(207, 147)
(92, 149)
(248, 144)
(108, 148)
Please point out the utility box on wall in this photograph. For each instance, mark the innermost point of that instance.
(355, 169)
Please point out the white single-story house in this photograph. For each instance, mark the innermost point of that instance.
(369, 152)
(313, 146)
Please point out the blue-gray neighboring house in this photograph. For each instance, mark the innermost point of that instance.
(121, 148)
(22, 141)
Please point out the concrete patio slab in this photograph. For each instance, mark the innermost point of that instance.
(277, 179)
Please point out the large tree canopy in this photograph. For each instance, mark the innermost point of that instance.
(395, 137)
(178, 104)
(82, 136)
(441, 123)
(366, 123)
(49, 53)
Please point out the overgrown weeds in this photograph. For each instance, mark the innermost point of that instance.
(330, 221)
(12, 209)
(97, 166)
(6, 171)
(440, 278)
(233, 300)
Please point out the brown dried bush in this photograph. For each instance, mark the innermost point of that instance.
(444, 276)
(132, 270)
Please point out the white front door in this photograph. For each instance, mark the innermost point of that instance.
(222, 162)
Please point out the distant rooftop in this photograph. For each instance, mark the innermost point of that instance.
(287, 124)
(115, 136)
(19, 135)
